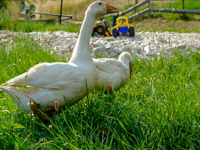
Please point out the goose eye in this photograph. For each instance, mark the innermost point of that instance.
(99, 3)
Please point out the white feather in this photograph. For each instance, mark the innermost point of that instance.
(112, 72)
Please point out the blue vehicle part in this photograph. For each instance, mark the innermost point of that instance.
(123, 29)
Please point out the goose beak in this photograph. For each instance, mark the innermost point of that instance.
(111, 9)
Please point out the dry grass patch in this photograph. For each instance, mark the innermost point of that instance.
(77, 8)
(13, 8)
(160, 24)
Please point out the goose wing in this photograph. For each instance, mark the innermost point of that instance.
(110, 72)
(48, 75)
(109, 65)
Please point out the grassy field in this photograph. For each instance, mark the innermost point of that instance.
(157, 109)
(188, 5)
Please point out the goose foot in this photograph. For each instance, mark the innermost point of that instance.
(35, 108)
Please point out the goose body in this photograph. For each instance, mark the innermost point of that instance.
(50, 82)
(112, 73)
(63, 83)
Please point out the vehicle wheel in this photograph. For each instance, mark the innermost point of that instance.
(132, 31)
(100, 29)
(93, 32)
(114, 32)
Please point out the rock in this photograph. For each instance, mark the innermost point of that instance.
(147, 50)
(143, 45)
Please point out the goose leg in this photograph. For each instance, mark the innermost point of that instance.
(34, 108)
(109, 89)
(57, 108)
(130, 72)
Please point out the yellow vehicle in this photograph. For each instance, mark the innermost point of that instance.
(101, 28)
(122, 27)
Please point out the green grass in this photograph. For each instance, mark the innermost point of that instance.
(157, 109)
(30, 26)
(4, 20)
(188, 5)
(6, 23)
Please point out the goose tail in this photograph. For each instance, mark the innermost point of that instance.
(19, 80)
(18, 96)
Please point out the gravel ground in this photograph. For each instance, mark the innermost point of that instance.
(143, 45)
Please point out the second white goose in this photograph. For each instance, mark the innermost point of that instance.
(113, 74)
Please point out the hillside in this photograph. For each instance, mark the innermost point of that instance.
(78, 7)
(75, 8)
(151, 22)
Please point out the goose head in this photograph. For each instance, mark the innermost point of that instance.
(127, 59)
(100, 8)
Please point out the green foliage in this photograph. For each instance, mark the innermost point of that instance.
(188, 4)
(4, 20)
(29, 26)
(157, 109)
(22, 4)
(32, 6)
(3, 3)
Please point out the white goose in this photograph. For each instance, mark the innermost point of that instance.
(113, 74)
(65, 83)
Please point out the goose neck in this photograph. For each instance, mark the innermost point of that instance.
(82, 47)
(124, 61)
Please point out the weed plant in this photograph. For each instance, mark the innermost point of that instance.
(157, 109)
